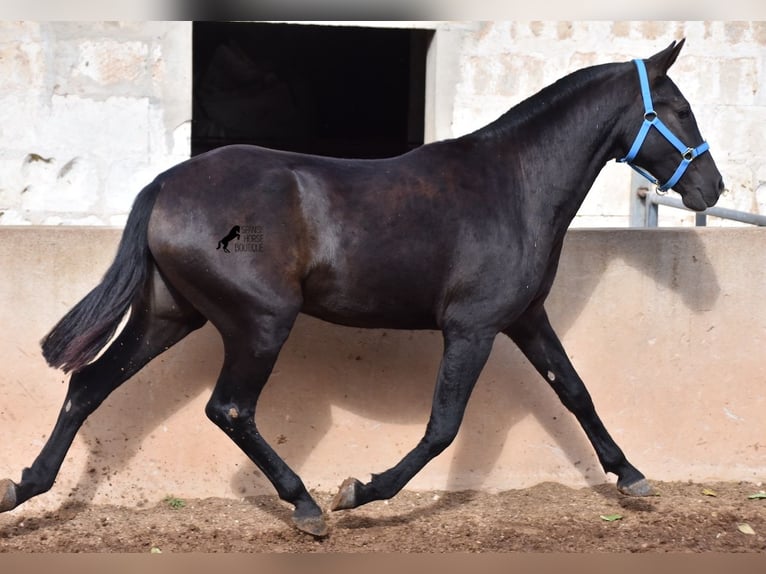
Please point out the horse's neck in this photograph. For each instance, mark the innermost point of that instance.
(556, 154)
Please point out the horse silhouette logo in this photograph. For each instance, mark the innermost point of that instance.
(231, 235)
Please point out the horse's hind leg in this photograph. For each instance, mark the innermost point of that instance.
(537, 340)
(251, 349)
(155, 324)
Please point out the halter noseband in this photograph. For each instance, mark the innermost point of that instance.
(688, 154)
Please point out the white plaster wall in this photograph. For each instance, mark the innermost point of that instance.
(90, 112)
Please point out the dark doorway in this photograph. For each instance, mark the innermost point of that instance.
(328, 90)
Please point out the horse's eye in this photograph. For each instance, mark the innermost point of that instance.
(684, 113)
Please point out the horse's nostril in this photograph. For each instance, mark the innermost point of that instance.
(721, 186)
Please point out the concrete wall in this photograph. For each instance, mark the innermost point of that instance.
(667, 327)
(90, 112)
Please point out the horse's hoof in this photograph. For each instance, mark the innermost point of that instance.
(639, 488)
(8, 493)
(314, 525)
(346, 497)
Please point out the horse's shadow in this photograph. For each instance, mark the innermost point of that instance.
(389, 376)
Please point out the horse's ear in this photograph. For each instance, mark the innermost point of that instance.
(661, 61)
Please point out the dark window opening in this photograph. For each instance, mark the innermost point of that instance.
(327, 90)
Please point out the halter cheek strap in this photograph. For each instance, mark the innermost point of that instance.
(688, 154)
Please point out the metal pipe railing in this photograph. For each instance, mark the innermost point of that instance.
(644, 209)
(654, 198)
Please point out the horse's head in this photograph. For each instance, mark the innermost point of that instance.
(662, 138)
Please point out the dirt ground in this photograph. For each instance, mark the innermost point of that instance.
(684, 517)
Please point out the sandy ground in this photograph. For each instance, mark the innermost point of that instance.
(684, 517)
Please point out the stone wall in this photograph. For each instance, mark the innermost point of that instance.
(90, 112)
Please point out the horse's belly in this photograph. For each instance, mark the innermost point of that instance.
(370, 302)
(372, 320)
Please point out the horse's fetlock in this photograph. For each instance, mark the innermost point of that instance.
(31, 476)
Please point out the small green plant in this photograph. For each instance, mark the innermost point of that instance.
(174, 503)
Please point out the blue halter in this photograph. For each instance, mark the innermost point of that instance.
(650, 119)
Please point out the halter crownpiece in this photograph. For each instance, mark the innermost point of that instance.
(688, 154)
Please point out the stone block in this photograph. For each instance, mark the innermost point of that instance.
(109, 61)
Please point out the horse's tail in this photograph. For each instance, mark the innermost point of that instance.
(87, 327)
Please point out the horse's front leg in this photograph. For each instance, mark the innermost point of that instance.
(464, 357)
(537, 340)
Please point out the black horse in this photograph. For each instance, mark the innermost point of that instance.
(463, 236)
